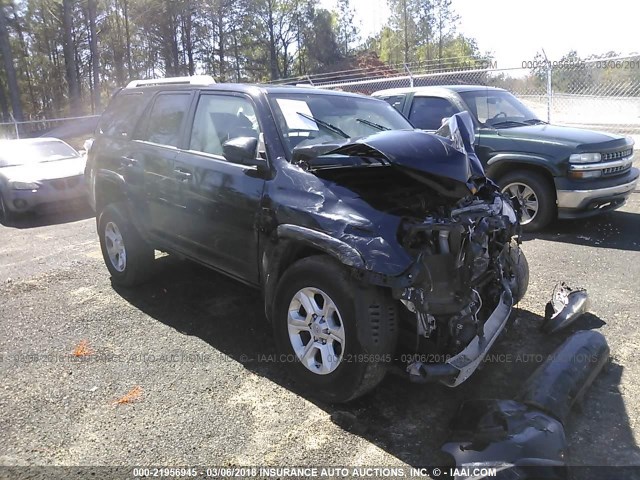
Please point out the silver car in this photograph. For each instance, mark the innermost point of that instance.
(39, 175)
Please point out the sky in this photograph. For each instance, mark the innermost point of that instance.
(514, 30)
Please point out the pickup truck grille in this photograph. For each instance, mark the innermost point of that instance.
(617, 155)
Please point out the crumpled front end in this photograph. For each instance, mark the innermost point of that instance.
(461, 232)
(463, 287)
(413, 212)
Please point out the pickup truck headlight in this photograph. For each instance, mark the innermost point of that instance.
(24, 185)
(585, 158)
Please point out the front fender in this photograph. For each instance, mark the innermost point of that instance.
(344, 252)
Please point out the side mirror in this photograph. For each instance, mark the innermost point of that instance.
(241, 150)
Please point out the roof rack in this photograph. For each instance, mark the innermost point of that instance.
(193, 80)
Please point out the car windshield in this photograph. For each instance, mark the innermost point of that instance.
(309, 119)
(17, 152)
(498, 109)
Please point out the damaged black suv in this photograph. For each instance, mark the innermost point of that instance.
(375, 246)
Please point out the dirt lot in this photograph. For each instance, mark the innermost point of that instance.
(197, 346)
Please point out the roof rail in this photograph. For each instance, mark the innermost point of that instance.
(193, 80)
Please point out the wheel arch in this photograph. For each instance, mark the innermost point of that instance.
(109, 188)
(295, 243)
(498, 169)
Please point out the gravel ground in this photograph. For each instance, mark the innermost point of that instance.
(195, 347)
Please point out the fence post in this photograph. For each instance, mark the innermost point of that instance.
(410, 75)
(15, 126)
(549, 91)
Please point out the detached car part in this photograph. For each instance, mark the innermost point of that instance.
(566, 306)
(525, 438)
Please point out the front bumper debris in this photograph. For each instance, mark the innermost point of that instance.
(566, 306)
(525, 438)
(460, 367)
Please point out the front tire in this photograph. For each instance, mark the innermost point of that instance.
(535, 195)
(6, 216)
(127, 256)
(518, 271)
(335, 335)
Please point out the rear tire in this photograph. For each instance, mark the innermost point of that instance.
(538, 195)
(127, 256)
(361, 320)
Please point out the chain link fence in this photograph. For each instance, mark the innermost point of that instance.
(74, 130)
(601, 94)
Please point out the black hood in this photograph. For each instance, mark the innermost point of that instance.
(445, 161)
(418, 151)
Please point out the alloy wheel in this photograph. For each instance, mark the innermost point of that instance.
(316, 330)
(527, 199)
(115, 247)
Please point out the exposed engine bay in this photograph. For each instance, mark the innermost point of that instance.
(463, 235)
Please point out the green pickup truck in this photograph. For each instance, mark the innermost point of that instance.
(553, 171)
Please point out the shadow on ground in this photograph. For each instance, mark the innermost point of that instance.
(31, 220)
(408, 421)
(618, 230)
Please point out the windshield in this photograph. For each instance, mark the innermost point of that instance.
(17, 152)
(308, 119)
(499, 109)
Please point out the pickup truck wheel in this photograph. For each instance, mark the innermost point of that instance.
(535, 195)
(127, 256)
(335, 336)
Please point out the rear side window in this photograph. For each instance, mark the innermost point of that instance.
(396, 101)
(166, 118)
(121, 117)
(427, 112)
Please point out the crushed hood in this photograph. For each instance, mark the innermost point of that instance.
(414, 150)
(445, 161)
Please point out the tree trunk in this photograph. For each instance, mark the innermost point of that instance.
(221, 40)
(69, 56)
(236, 52)
(189, 40)
(25, 52)
(273, 52)
(406, 36)
(7, 56)
(4, 106)
(125, 13)
(95, 56)
(440, 41)
(118, 54)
